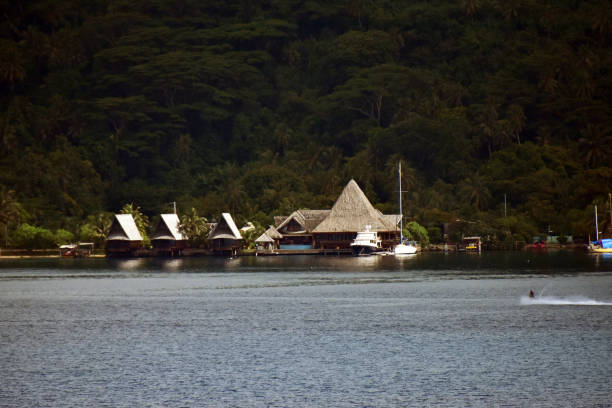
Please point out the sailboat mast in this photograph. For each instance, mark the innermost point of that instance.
(399, 172)
(610, 209)
(596, 226)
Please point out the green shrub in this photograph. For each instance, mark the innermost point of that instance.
(63, 237)
(31, 237)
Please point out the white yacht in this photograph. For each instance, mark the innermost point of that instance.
(366, 242)
(404, 247)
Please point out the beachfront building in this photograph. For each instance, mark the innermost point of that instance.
(123, 239)
(167, 239)
(296, 229)
(351, 213)
(225, 237)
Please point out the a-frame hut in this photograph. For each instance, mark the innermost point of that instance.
(225, 237)
(349, 215)
(123, 238)
(167, 239)
(296, 229)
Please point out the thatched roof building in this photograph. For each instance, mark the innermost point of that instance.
(123, 237)
(352, 212)
(273, 233)
(349, 215)
(297, 228)
(225, 236)
(167, 239)
(268, 241)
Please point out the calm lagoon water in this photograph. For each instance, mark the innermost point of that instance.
(308, 331)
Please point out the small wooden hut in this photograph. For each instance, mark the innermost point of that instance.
(349, 215)
(225, 237)
(268, 241)
(123, 239)
(167, 239)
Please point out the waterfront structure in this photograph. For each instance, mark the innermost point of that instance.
(268, 242)
(350, 214)
(225, 237)
(123, 238)
(471, 244)
(296, 229)
(167, 239)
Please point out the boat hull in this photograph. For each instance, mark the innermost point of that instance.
(598, 250)
(360, 250)
(402, 249)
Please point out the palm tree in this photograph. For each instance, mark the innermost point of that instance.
(474, 190)
(488, 126)
(194, 227)
(282, 133)
(510, 8)
(594, 145)
(470, 7)
(517, 120)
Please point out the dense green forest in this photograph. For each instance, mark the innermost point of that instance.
(261, 107)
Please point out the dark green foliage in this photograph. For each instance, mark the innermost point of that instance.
(194, 228)
(31, 237)
(263, 107)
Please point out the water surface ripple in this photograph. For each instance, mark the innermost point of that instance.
(431, 330)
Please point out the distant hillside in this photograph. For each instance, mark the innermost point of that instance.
(263, 107)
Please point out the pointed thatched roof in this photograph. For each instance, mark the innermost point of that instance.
(273, 233)
(269, 236)
(352, 212)
(225, 229)
(168, 228)
(264, 238)
(123, 228)
(279, 219)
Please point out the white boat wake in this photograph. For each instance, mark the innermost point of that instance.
(570, 300)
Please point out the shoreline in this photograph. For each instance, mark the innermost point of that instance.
(47, 254)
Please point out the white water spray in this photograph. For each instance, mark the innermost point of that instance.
(556, 300)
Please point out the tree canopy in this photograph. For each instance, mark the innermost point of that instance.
(262, 107)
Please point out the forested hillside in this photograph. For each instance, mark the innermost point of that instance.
(262, 107)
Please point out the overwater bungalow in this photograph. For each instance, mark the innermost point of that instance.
(167, 239)
(123, 239)
(225, 237)
(296, 229)
(351, 213)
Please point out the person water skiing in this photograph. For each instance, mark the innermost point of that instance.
(531, 295)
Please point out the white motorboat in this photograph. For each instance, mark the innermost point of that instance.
(404, 247)
(366, 242)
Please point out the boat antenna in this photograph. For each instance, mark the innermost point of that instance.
(399, 172)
